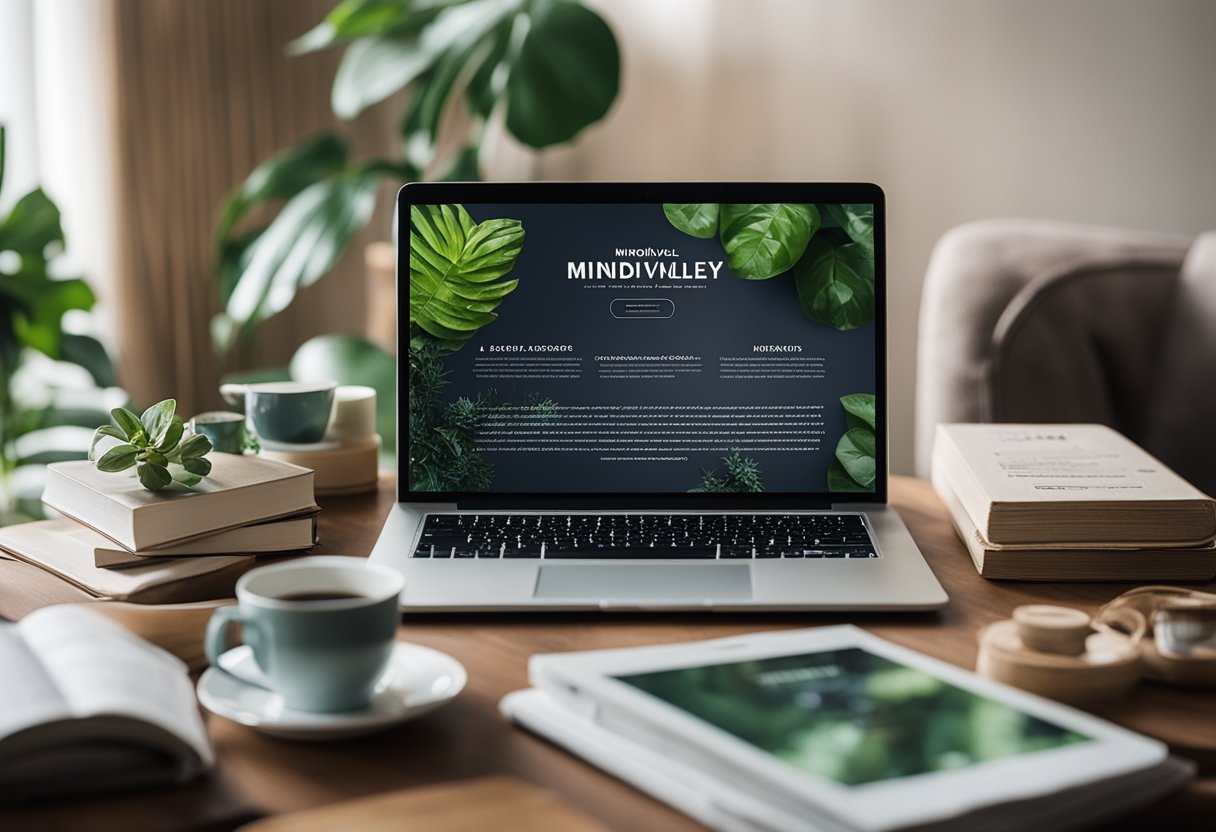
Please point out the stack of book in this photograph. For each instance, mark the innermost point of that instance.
(1070, 503)
(347, 460)
(118, 540)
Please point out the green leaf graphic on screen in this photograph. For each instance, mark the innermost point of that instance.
(764, 240)
(857, 221)
(697, 219)
(456, 266)
(855, 466)
(836, 284)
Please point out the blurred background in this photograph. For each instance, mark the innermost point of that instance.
(141, 119)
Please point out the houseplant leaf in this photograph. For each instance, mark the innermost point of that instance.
(374, 68)
(89, 353)
(836, 284)
(157, 419)
(302, 244)
(152, 476)
(129, 424)
(766, 239)
(566, 76)
(352, 19)
(695, 219)
(856, 453)
(32, 225)
(118, 458)
(856, 220)
(455, 270)
(101, 433)
(839, 479)
(860, 406)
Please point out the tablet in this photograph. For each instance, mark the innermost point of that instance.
(838, 725)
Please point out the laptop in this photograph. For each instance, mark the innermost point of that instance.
(645, 397)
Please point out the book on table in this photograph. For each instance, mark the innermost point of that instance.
(86, 706)
(288, 534)
(241, 489)
(1084, 485)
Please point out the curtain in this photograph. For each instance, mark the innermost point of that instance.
(203, 92)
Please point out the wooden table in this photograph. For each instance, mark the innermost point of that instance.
(260, 776)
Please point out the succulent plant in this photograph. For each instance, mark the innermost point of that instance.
(157, 446)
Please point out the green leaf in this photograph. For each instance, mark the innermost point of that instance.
(156, 458)
(465, 166)
(836, 285)
(173, 435)
(86, 351)
(861, 405)
(352, 359)
(764, 240)
(194, 446)
(376, 67)
(455, 270)
(856, 452)
(157, 419)
(128, 423)
(198, 466)
(43, 302)
(32, 225)
(696, 219)
(352, 19)
(839, 479)
(152, 476)
(119, 458)
(566, 76)
(104, 431)
(857, 221)
(181, 475)
(302, 244)
(282, 176)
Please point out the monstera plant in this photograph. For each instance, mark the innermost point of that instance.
(543, 69)
(832, 267)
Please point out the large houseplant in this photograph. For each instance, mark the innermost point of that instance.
(544, 69)
(46, 406)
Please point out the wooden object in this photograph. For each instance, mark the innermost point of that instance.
(381, 261)
(259, 776)
(499, 803)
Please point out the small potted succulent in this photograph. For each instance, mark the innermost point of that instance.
(155, 445)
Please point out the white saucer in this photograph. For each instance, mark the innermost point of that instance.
(418, 680)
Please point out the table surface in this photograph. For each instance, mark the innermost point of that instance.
(259, 776)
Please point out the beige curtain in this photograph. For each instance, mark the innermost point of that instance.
(204, 91)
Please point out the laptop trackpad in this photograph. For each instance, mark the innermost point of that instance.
(645, 581)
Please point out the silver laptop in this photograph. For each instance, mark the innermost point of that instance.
(645, 397)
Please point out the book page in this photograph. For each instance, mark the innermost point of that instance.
(1038, 463)
(28, 696)
(101, 668)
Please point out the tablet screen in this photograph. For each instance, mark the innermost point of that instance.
(851, 716)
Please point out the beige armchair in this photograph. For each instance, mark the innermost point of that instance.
(1035, 321)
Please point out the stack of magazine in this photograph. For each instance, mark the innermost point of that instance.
(1070, 503)
(836, 730)
(118, 540)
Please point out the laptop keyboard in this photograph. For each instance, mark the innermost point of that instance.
(642, 536)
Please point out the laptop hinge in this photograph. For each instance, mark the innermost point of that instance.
(698, 503)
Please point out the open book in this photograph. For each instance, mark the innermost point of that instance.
(87, 706)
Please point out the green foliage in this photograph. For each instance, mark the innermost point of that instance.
(693, 218)
(455, 270)
(742, 476)
(441, 439)
(855, 466)
(766, 240)
(153, 444)
(833, 268)
(352, 359)
(836, 284)
(551, 67)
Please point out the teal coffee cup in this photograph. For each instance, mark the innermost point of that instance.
(295, 412)
(321, 629)
(225, 430)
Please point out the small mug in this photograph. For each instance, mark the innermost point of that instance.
(295, 412)
(226, 430)
(321, 629)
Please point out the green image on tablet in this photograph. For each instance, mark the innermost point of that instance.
(851, 716)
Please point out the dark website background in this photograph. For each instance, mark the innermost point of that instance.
(713, 318)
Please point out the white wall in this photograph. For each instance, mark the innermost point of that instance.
(1099, 111)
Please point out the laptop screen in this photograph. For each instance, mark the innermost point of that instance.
(641, 348)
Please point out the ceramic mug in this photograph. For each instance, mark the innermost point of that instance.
(321, 629)
(226, 430)
(295, 412)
